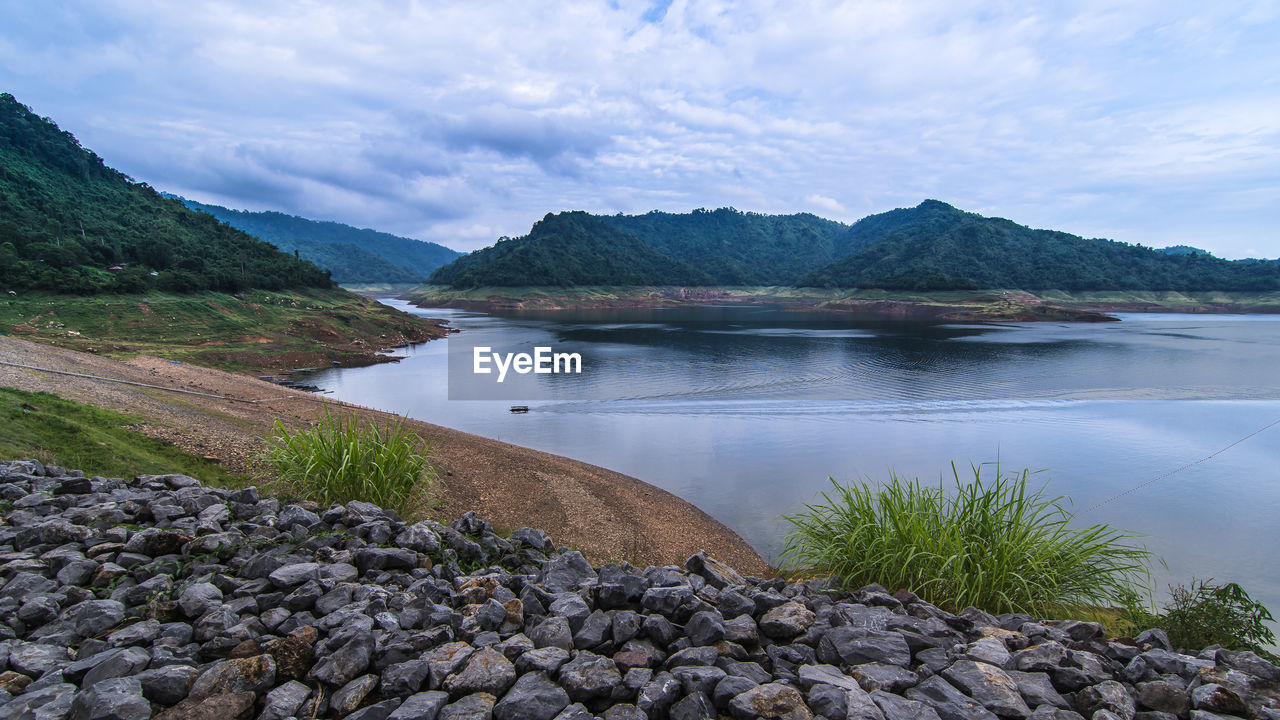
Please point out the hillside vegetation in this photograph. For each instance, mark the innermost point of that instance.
(66, 219)
(353, 255)
(932, 246)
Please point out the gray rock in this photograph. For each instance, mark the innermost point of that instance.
(1250, 664)
(142, 633)
(94, 617)
(114, 699)
(1215, 698)
(990, 686)
(289, 576)
(1110, 696)
(284, 701)
(52, 702)
(696, 706)
(571, 607)
(787, 621)
(255, 674)
(576, 711)
(533, 697)
(1045, 657)
(773, 700)
(404, 679)
(659, 694)
(552, 632)
(486, 671)
(346, 662)
(879, 676)
(420, 706)
(445, 660)
(565, 572)
(667, 601)
(35, 659)
(828, 701)
(125, 662)
(1163, 696)
(589, 677)
(988, 650)
(547, 660)
(168, 685)
(199, 598)
(950, 703)
(1154, 638)
(896, 707)
(1037, 689)
(378, 711)
(347, 698)
(697, 678)
(471, 707)
(854, 646)
(1049, 712)
(624, 711)
(705, 627)
(156, 542)
(810, 675)
(717, 574)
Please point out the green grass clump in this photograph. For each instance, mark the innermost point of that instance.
(99, 442)
(992, 544)
(335, 460)
(1207, 614)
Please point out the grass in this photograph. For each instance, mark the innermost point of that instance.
(251, 330)
(335, 460)
(100, 442)
(1206, 613)
(991, 543)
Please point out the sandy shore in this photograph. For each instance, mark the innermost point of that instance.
(607, 515)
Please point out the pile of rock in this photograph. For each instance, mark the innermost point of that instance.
(123, 600)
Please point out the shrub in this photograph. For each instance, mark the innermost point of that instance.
(335, 461)
(991, 544)
(1206, 614)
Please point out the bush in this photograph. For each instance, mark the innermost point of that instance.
(990, 544)
(1206, 614)
(335, 461)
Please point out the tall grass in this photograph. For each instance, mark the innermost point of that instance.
(991, 543)
(335, 460)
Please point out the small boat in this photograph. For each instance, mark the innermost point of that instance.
(519, 408)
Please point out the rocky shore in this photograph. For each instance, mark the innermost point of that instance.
(159, 597)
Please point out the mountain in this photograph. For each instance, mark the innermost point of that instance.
(1182, 250)
(701, 248)
(740, 248)
(353, 255)
(565, 250)
(70, 224)
(935, 246)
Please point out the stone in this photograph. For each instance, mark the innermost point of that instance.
(485, 671)
(810, 675)
(124, 662)
(1215, 698)
(950, 703)
(237, 706)
(705, 627)
(346, 662)
(471, 707)
(94, 617)
(773, 701)
(988, 650)
(254, 674)
(35, 659)
(1110, 696)
(879, 676)
(659, 694)
(347, 698)
(854, 646)
(51, 702)
(565, 572)
(1037, 689)
(420, 706)
(589, 677)
(199, 598)
(532, 697)
(624, 711)
(1045, 657)
(1163, 696)
(547, 660)
(696, 706)
(786, 621)
(896, 707)
(288, 576)
(828, 701)
(990, 686)
(156, 542)
(667, 601)
(698, 678)
(716, 573)
(113, 699)
(378, 711)
(404, 679)
(576, 711)
(168, 685)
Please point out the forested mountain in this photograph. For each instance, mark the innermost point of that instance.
(1182, 250)
(565, 250)
(936, 246)
(737, 248)
(66, 220)
(353, 255)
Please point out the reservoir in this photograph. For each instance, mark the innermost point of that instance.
(746, 411)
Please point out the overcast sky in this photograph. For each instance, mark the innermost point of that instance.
(1148, 122)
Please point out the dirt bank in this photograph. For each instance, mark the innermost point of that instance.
(607, 515)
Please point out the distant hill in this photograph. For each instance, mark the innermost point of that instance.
(1182, 250)
(701, 248)
(70, 224)
(353, 255)
(935, 246)
(740, 248)
(565, 250)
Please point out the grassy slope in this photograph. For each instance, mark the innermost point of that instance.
(73, 435)
(255, 330)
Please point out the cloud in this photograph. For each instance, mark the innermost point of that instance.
(1151, 122)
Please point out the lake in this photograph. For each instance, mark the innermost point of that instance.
(746, 412)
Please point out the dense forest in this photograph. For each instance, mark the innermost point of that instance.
(935, 246)
(738, 248)
(70, 224)
(932, 246)
(353, 255)
(565, 250)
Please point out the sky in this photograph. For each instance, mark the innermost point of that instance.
(1153, 122)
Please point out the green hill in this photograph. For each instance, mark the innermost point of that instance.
(740, 248)
(935, 246)
(353, 255)
(66, 220)
(568, 249)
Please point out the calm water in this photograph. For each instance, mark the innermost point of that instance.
(745, 412)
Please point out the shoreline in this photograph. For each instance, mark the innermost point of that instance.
(605, 514)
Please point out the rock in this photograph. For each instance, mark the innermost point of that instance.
(254, 674)
(94, 617)
(420, 706)
(667, 601)
(486, 671)
(215, 707)
(1045, 657)
(575, 711)
(552, 632)
(199, 598)
(773, 700)
(289, 576)
(659, 694)
(347, 698)
(1163, 696)
(716, 573)
(404, 679)
(854, 646)
(346, 662)
(156, 542)
(896, 707)
(35, 659)
(698, 678)
(810, 675)
(113, 699)
(51, 702)
(471, 707)
(879, 676)
(693, 707)
(125, 662)
(445, 660)
(168, 685)
(705, 627)
(950, 703)
(990, 651)
(1110, 696)
(1215, 698)
(787, 621)
(532, 697)
(990, 686)
(379, 711)
(1037, 689)
(565, 572)
(589, 677)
